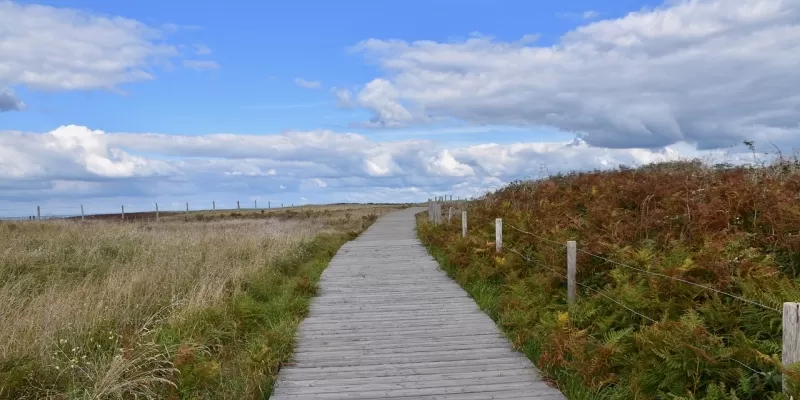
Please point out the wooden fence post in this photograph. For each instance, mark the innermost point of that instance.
(156, 212)
(255, 204)
(83, 217)
(213, 205)
(237, 205)
(123, 212)
(498, 235)
(571, 271)
(450, 215)
(463, 224)
(791, 338)
(38, 212)
(187, 210)
(269, 204)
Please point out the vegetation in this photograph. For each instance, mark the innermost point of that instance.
(204, 309)
(734, 229)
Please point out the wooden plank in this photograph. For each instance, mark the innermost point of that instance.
(389, 324)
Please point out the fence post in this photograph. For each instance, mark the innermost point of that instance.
(156, 212)
(571, 270)
(237, 205)
(450, 215)
(498, 235)
(83, 217)
(187, 210)
(213, 205)
(123, 212)
(38, 212)
(269, 204)
(791, 338)
(430, 210)
(463, 224)
(255, 204)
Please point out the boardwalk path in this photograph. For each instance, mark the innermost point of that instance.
(389, 324)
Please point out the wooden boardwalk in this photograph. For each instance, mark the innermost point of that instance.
(389, 324)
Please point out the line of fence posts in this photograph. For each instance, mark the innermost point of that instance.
(791, 311)
(122, 209)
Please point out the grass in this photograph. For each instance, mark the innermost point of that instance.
(730, 228)
(204, 309)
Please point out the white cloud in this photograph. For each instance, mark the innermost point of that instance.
(74, 161)
(201, 65)
(307, 84)
(381, 97)
(712, 72)
(71, 153)
(51, 48)
(9, 101)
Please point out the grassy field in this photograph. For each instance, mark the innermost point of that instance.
(176, 309)
(731, 229)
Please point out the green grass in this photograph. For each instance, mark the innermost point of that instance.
(169, 310)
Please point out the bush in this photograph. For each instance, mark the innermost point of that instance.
(733, 229)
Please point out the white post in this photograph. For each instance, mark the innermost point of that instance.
(83, 217)
(123, 211)
(498, 235)
(450, 215)
(463, 224)
(156, 212)
(571, 270)
(791, 337)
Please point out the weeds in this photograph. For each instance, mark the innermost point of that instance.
(734, 229)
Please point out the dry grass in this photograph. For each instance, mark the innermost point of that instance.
(111, 310)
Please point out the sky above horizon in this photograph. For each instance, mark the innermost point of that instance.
(131, 103)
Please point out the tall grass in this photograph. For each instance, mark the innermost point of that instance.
(733, 229)
(155, 310)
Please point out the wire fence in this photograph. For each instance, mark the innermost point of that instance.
(560, 272)
(137, 210)
(681, 280)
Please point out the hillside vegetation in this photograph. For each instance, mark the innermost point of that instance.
(169, 310)
(634, 334)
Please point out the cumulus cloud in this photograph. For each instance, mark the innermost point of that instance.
(74, 161)
(71, 153)
(307, 84)
(52, 48)
(712, 73)
(201, 65)
(9, 101)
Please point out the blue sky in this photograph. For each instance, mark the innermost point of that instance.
(109, 102)
(263, 46)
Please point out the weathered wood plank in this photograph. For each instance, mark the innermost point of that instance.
(389, 324)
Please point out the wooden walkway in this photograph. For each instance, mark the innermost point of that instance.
(389, 324)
